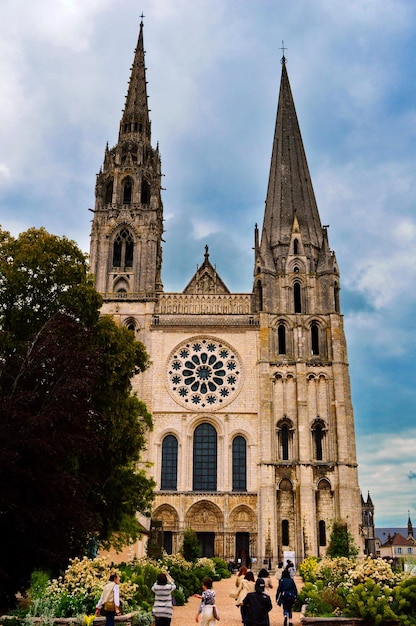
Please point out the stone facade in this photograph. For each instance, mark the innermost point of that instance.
(253, 443)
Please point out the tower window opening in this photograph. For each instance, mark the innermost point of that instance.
(297, 298)
(109, 192)
(285, 442)
(285, 532)
(336, 298)
(281, 338)
(295, 246)
(127, 191)
(319, 435)
(315, 338)
(322, 533)
(123, 249)
(145, 194)
(126, 128)
(259, 296)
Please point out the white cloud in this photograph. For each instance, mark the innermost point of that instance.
(385, 463)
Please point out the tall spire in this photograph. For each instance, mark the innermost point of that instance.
(290, 192)
(135, 118)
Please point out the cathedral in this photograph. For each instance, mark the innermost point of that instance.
(253, 443)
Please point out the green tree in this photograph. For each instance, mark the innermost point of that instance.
(190, 545)
(341, 541)
(71, 430)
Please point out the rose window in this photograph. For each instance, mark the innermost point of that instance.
(204, 374)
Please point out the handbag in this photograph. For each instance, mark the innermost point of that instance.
(215, 613)
(109, 607)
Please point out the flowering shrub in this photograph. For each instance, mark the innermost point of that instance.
(334, 571)
(78, 590)
(307, 568)
(378, 570)
(369, 589)
(76, 593)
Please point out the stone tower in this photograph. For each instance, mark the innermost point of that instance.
(253, 443)
(126, 235)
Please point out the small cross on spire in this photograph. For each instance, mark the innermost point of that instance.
(283, 55)
(141, 19)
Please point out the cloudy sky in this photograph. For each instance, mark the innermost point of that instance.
(213, 68)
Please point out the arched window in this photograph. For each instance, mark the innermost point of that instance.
(295, 246)
(127, 191)
(145, 195)
(123, 249)
(297, 298)
(205, 458)
(281, 337)
(315, 338)
(239, 452)
(322, 533)
(169, 475)
(109, 192)
(285, 532)
(285, 442)
(284, 432)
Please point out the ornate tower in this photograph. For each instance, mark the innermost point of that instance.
(127, 227)
(303, 369)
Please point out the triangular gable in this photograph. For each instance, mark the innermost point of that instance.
(206, 279)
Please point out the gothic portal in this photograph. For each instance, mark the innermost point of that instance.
(253, 443)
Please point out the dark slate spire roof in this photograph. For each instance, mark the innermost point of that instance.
(136, 110)
(290, 190)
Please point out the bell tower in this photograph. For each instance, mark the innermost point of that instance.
(126, 234)
(302, 341)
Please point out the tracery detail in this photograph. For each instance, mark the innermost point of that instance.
(204, 374)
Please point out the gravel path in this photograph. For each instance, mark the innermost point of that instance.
(229, 613)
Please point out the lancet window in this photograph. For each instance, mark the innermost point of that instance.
(239, 461)
(205, 458)
(169, 474)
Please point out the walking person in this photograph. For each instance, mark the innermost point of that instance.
(162, 607)
(206, 609)
(264, 574)
(258, 605)
(279, 570)
(109, 600)
(286, 596)
(247, 586)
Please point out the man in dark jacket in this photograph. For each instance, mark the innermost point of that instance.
(258, 605)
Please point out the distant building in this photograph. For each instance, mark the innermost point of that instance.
(398, 544)
(253, 443)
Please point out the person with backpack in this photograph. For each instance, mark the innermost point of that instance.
(286, 596)
(258, 605)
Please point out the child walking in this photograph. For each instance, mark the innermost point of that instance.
(206, 609)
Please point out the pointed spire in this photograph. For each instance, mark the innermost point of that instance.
(409, 526)
(135, 117)
(290, 192)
